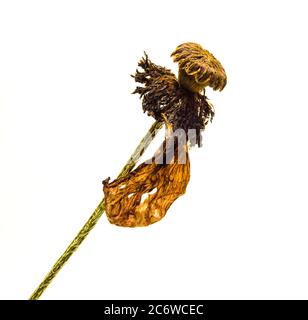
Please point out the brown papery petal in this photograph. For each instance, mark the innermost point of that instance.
(143, 196)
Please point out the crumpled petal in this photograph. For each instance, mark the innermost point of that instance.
(143, 196)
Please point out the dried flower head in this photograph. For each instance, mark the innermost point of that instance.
(143, 196)
(198, 68)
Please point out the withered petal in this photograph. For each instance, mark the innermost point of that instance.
(143, 196)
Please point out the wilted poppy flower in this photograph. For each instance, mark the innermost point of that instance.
(143, 196)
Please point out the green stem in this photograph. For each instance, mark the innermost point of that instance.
(90, 224)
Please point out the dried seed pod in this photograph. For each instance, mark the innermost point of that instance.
(198, 68)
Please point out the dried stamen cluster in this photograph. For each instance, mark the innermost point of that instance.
(161, 93)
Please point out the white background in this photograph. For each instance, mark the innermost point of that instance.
(68, 121)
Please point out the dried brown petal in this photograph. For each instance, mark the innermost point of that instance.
(143, 196)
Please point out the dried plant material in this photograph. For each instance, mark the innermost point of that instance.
(143, 196)
(94, 218)
(198, 68)
(162, 94)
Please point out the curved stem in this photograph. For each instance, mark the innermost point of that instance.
(92, 221)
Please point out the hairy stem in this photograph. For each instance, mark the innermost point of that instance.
(90, 224)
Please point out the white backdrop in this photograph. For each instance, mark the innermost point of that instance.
(68, 121)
